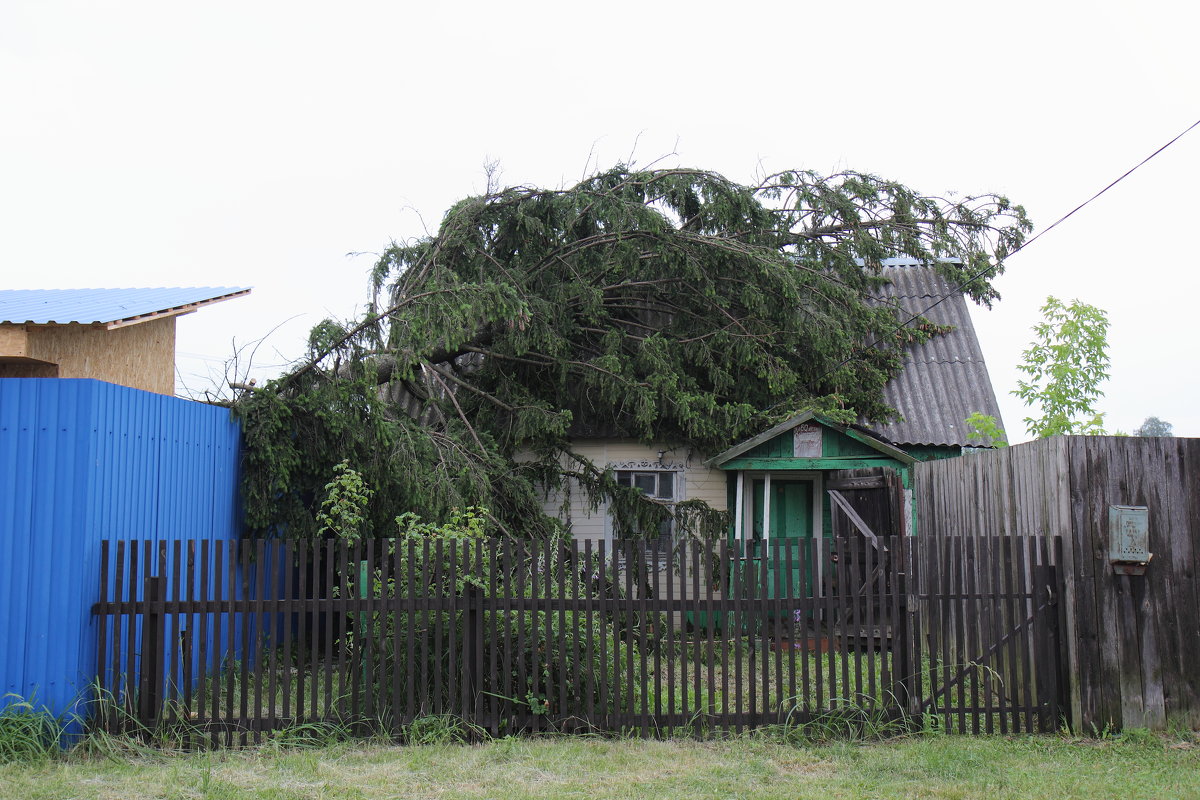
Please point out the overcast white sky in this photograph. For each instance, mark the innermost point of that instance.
(152, 143)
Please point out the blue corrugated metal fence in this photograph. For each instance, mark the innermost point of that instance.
(82, 461)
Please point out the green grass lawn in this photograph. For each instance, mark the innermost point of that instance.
(1134, 766)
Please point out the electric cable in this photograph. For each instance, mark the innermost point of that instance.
(958, 288)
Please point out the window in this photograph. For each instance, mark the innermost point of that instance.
(656, 484)
(659, 484)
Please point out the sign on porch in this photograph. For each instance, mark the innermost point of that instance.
(806, 440)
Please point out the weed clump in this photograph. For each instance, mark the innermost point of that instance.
(28, 733)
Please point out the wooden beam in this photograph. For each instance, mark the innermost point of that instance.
(852, 515)
(883, 447)
(766, 509)
(739, 528)
(853, 462)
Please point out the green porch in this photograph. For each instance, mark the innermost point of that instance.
(780, 482)
(810, 483)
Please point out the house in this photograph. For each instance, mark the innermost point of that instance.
(790, 480)
(123, 336)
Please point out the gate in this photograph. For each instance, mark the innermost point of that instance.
(989, 610)
(228, 643)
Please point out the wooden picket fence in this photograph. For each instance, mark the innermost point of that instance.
(229, 643)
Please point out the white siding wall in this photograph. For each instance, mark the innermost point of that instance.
(699, 482)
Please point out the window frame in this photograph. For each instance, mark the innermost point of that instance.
(657, 469)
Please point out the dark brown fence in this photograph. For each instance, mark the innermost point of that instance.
(989, 616)
(226, 643)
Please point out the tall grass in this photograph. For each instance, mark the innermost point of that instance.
(29, 732)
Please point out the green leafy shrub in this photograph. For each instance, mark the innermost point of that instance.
(986, 427)
(1066, 364)
(432, 729)
(344, 510)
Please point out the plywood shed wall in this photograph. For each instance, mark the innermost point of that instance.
(140, 356)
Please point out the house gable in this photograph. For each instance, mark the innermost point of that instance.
(807, 441)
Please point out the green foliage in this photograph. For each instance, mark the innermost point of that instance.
(447, 544)
(987, 428)
(307, 735)
(435, 729)
(860, 720)
(1065, 365)
(294, 441)
(468, 524)
(28, 733)
(1153, 426)
(667, 305)
(343, 513)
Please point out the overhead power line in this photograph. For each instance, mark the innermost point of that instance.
(1128, 172)
(958, 288)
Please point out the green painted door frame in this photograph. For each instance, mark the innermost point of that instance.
(790, 512)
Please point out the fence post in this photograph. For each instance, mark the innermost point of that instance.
(903, 656)
(362, 635)
(1046, 644)
(472, 643)
(1061, 633)
(151, 689)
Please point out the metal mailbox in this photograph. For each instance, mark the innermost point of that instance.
(1129, 539)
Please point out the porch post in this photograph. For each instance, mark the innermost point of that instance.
(739, 526)
(766, 512)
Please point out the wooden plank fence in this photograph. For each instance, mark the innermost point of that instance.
(227, 643)
(1130, 641)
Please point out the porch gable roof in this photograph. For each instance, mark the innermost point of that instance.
(884, 449)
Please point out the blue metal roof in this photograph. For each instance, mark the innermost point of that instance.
(105, 306)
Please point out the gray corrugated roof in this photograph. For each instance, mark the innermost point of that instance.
(102, 306)
(944, 380)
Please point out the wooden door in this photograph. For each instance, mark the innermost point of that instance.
(790, 514)
(867, 517)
